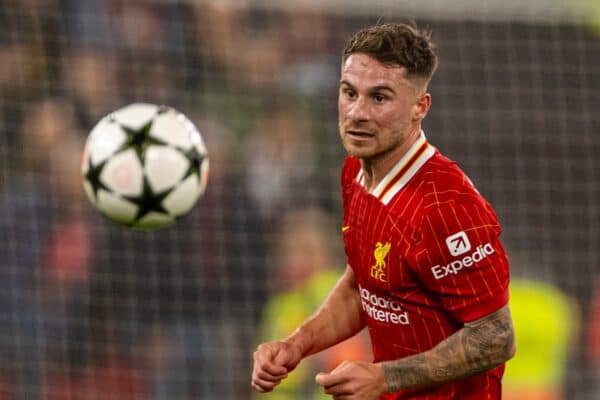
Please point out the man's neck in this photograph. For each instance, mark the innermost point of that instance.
(376, 169)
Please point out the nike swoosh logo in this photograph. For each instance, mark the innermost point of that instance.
(345, 228)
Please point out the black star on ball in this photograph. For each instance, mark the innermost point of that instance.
(93, 177)
(148, 201)
(196, 160)
(139, 139)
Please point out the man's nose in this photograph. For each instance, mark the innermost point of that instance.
(358, 110)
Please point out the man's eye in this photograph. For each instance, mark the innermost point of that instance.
(379, 98)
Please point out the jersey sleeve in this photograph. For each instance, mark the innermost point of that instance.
(460, 258)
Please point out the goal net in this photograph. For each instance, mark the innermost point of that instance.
(90, 310)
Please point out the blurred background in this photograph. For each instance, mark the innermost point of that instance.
(89, 310)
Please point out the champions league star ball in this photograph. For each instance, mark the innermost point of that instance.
(144, 166)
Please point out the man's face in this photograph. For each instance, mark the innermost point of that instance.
(378, 107)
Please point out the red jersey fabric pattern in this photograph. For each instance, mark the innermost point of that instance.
(424, 246)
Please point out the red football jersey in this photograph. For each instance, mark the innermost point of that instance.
(424, 246)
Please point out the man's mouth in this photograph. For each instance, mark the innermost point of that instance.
(357, 134)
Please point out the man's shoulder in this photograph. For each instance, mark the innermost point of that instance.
(443, 181)
(449, 195)
(440, 187)
(443, 171)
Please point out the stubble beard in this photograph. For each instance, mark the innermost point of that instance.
(368, 152)
(355, 148)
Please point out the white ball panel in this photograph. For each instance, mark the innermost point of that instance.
(173, 128)
(154, 220)
(135, 115)
(123, 174)
(164, 166)
(116, 208)
(181, 200)
(104, 140)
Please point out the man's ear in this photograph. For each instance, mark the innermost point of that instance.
(421, 107)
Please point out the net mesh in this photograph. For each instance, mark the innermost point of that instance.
(91, 310)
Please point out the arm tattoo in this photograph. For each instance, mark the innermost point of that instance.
(479, 346)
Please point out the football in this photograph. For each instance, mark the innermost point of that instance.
(144, 166)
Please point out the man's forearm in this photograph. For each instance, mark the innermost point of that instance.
(479, 346)
(338, 318)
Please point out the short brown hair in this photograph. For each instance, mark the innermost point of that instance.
(396, 44)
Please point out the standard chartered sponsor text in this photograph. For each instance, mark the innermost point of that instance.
(382, 309)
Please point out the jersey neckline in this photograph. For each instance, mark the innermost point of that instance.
(410, 163)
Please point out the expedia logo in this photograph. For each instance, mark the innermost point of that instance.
(441, 271)
(458, 243)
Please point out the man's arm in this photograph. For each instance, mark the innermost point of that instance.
(479, 346)
(337, 319)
